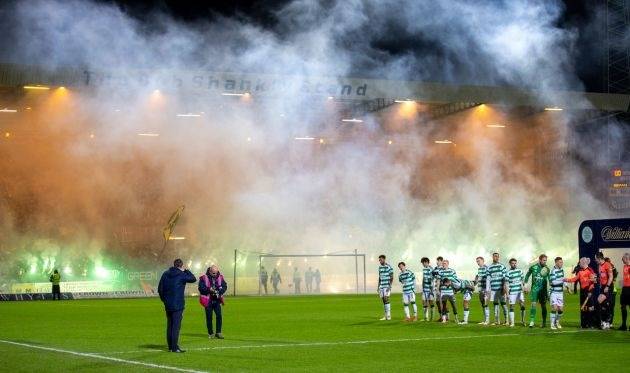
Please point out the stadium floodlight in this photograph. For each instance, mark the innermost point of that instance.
(307, 138)
(176, 238)
(101, 272)
(7, 134)
(233, 94)
(352, 120)
(495, 125)
(389, 142)
(36, 87)
(188, 115)
(554, 108)
(444, 142)
(5, 110)
(67, 270)
(405, 101)
(149, 134)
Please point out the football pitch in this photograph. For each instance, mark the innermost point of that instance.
(306, 333)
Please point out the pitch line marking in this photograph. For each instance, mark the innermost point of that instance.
(317, 344)
(101, 357)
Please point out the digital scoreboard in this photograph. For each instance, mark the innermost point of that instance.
(619, 187)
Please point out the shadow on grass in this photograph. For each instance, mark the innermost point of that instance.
(198, 335)
(152, 347)
(250, 340)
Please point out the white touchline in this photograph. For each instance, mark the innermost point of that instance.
(315, 344)
(101, 357)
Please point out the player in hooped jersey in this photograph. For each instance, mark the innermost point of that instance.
(481, 280)
(515, 291)
(497, 288)
(437, 282)
(408, 281)
(428, 296)
(385, 279)
(556, 297)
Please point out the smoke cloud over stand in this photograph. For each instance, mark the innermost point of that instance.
(90, 176)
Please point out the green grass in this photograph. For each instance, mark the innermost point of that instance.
(134, 330)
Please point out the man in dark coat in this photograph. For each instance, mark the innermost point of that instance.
(171, 290)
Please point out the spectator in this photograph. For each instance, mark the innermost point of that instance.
(296, 281)
(308, 279)
(212, 286)
(171, 289)
(318, 279)
(263, 278)
(55, 278)
(275, 280)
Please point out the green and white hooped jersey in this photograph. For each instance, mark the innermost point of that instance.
(448, 273)
(556, 279)
(446, 290)
(515, 280)
(466, 287)
(385, 275)
(408, 281)
(437, 272)
(427, 279)
(482, 276)
(496, 275)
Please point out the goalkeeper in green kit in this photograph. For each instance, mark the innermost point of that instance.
(539, 273)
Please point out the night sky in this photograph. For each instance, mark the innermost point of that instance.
(580, 15)
(585, 17)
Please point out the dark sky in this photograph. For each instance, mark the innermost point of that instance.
(579, 15)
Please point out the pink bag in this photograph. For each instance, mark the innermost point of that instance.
(204, 300)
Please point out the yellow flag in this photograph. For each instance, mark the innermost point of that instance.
(168, 228)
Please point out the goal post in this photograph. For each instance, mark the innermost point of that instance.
(337, 280)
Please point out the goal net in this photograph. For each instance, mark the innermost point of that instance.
(299, 274)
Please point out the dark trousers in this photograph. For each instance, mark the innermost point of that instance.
(173, 324)
(586, 317)
(56, 292)
(604, 308)
(264, 285)
(214, 307)
(451, 300)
